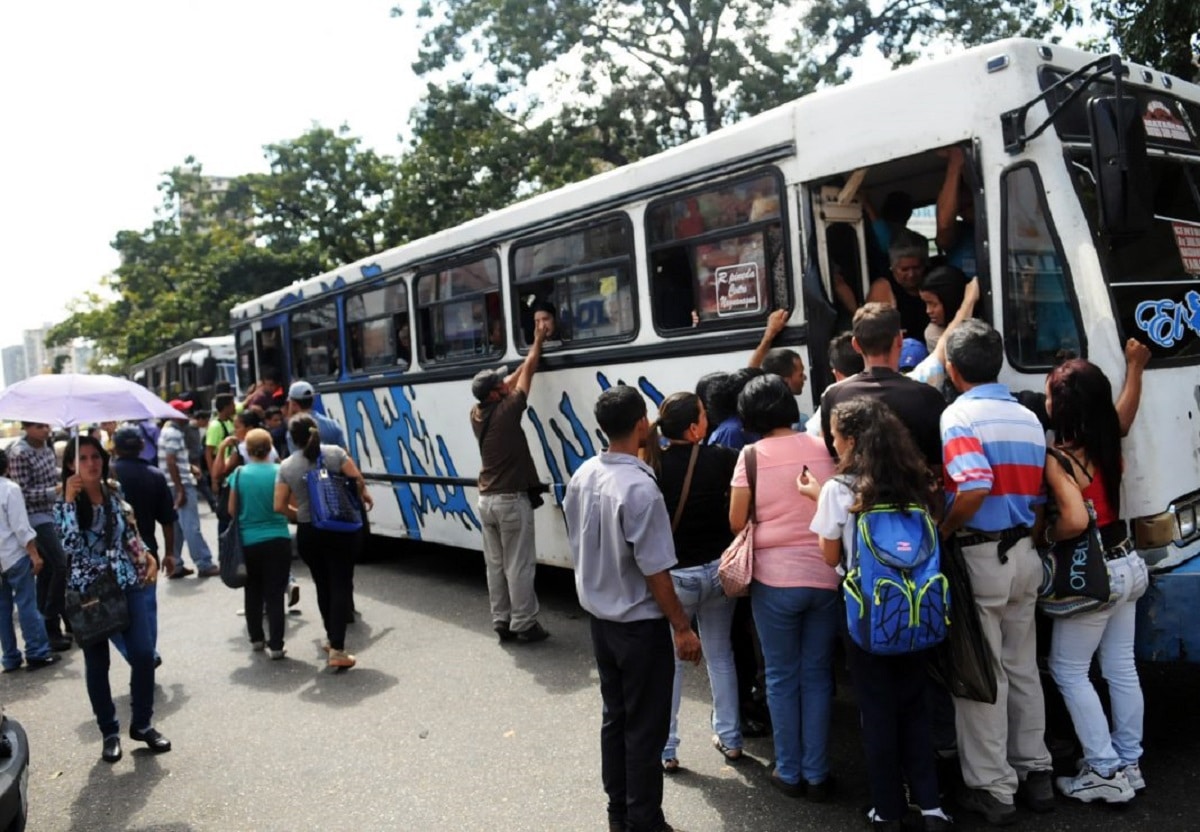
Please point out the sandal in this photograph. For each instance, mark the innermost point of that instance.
(733, 755)
(671, 766)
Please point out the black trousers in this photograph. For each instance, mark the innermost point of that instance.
(267, 567)
(636, 661)
(897, 728)
(330, 558)
(52, 581)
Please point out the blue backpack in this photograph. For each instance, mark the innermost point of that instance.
(897, 599)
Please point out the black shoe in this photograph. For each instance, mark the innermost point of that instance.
(45, 661)
(987, 804)
(156, 741)
(501, 629)
(182, 573)
(1037, 791)
(790, 789)
(112, 749)
(157, 662)
(819, 792)
(534, 633)
(60, 644)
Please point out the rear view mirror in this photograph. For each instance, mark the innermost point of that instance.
(1120, 165)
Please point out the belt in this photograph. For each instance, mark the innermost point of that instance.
(1007, 538)
(1123, 549)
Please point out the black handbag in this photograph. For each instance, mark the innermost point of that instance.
(99, 612)
(1075, 571)
(230, 554)
(963, 663)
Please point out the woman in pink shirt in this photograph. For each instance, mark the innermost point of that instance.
(794, 593)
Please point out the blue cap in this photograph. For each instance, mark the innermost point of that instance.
(912, 353)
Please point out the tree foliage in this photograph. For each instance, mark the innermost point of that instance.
(1164, 34)
(669, 70)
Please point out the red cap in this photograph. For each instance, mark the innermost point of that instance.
(181, 405)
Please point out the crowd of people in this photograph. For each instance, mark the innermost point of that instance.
(650, 518)
(80, 515)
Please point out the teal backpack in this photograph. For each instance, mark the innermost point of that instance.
(897, 599)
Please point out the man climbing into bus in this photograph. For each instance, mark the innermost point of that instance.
(506, 477)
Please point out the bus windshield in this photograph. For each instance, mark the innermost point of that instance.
(1154, 277)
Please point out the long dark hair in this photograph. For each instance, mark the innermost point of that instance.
(677, 413)
(950, 285)
(885, 461)
(302, 428)
(83, 505)
(1082, 415)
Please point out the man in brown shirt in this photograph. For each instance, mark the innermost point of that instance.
(506, 474)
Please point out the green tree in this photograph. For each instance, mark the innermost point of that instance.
(669, 70)
(1164, 34)
(179, 278)
(324, 193)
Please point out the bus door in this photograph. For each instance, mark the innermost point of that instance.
(270, 347)
(836, 276)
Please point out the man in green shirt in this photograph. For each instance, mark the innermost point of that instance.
(218, 428)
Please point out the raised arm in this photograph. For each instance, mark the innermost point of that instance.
(947, 201)
(1137, 356)
(522, 378)
(775, 324)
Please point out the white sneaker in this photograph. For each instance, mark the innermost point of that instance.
(277, 654)
(1090, 785)
(1133, 773)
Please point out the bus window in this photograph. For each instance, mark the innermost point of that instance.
(272, 363)
(583, 279)
(315, 352)
(377, 329)
(459, 311)
(717, 256)
(1155, 276)
(245, 358)
(1041, 318)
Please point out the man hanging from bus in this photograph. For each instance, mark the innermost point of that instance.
(506, 476)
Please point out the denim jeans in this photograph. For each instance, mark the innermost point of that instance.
(187, 527)
(1111, 631)
(52, 582)
(797, 626)
(511, 558)
(150, 599)
(140, 652)
(20, 588)
(700, 593)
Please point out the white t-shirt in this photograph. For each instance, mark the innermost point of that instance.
(833, 519)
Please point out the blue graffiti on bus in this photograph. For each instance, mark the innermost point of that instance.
(1164, 320)
(370, 270)
(578, 447)
(408, 448)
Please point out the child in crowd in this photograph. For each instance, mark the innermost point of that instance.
(880, 464)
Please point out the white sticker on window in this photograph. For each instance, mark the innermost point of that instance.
(738, 289)
(1162, 123)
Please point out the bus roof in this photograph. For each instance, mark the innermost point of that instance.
(194, 351)
(931, 100)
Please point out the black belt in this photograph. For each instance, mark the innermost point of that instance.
(1123, 549)
(1006, 538)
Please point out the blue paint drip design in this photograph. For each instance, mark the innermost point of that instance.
(371, 270)
(408, 447)
(1165, 320)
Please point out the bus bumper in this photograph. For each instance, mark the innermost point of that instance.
(1168, 616)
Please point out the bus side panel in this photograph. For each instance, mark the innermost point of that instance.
(1168, 628)
(423, 430)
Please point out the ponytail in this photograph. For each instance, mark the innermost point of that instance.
(654, 443)
(305, 436)
(677, 413)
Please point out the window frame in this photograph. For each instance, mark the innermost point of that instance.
(300, 369)
(783, 219)
(417, 321)
(390, 314)
(1009, 307)
(565, 274)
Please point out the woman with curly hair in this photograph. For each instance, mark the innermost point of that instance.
(880, 465)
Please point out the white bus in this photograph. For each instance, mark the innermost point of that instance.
(195, 366)
(1086, 232)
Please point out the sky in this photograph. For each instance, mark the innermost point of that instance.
(98, 100)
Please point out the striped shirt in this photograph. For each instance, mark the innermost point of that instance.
(991, 442)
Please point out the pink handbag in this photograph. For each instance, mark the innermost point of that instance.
(736, 569)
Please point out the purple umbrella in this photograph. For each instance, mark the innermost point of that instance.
(71, 399)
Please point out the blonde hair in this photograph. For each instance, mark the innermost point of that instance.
(258, 443)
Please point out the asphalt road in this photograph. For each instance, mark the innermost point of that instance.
(440, 728)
